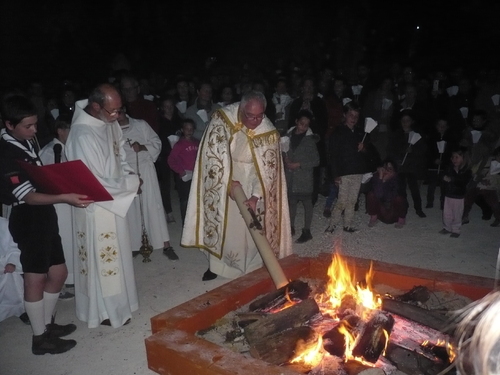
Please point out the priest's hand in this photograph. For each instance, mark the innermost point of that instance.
(233, 185)
(252, 203)
(137, 147)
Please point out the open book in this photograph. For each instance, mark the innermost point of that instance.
(63, 178)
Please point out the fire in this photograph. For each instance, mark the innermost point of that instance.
(309, 354)
(342, 284)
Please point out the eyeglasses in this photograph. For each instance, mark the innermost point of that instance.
(255, 118)
(114, 112)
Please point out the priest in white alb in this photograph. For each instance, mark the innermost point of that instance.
(105, 289)
(142, 148)
(239, 147)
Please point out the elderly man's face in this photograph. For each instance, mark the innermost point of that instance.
(110, 111)
(130, 90)
(252, 114)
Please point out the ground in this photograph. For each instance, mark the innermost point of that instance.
(163, 284)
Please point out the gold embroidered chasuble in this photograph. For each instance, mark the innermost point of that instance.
(207, 213)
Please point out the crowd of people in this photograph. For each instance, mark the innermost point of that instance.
(281, 139)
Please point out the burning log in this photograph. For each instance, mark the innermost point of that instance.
(374, 337)
(294, 316)
(295, 289)
(428, 318)
(411, 362)
(418, 293)
(356, 368)
(334, 341)
(281, 347)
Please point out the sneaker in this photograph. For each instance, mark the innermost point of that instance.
(455, 235)
(401, 223)
(327, 212)
(66, 296)
(444, 231)
(170, 254)
(49, 344)
(421, 213)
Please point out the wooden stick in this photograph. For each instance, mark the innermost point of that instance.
(260, 240)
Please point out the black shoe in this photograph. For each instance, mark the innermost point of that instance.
(57, 330)
(429, 205)
(444, 231)
(496, 223)
(208, 275)
(170, 254)
(48, 344)
(25, 318)
(305, 236)
(293, 231)
(350, 229)
(107, 322)
(455, 235)
(486, 217)
(420, 213)
(465, 220)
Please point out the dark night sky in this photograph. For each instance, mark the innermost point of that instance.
(54, 39)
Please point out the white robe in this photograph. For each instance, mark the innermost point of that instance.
(229, 151)
(104, 273)
(63, 210)
(11, 284)
(154, 213)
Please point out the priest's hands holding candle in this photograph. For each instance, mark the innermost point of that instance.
(250, 203)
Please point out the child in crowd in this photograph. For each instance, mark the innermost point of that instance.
(455, 183)
(11, 279)
(181, 160)
(33, 226)
(384, 202)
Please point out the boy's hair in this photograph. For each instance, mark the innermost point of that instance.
(62, 122)
(352, 106)
(17, 107)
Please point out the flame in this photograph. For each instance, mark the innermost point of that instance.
(342, 283)
(309, 354)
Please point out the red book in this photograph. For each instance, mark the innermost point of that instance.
(68, 177)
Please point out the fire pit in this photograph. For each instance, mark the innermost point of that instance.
(175, 349)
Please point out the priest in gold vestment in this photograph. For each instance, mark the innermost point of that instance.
(239, 147)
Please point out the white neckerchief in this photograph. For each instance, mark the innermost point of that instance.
(30, 151)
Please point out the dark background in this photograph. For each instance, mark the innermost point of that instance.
(54, 40)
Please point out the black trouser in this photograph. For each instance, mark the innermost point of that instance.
(411, 180)
(163, 173)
